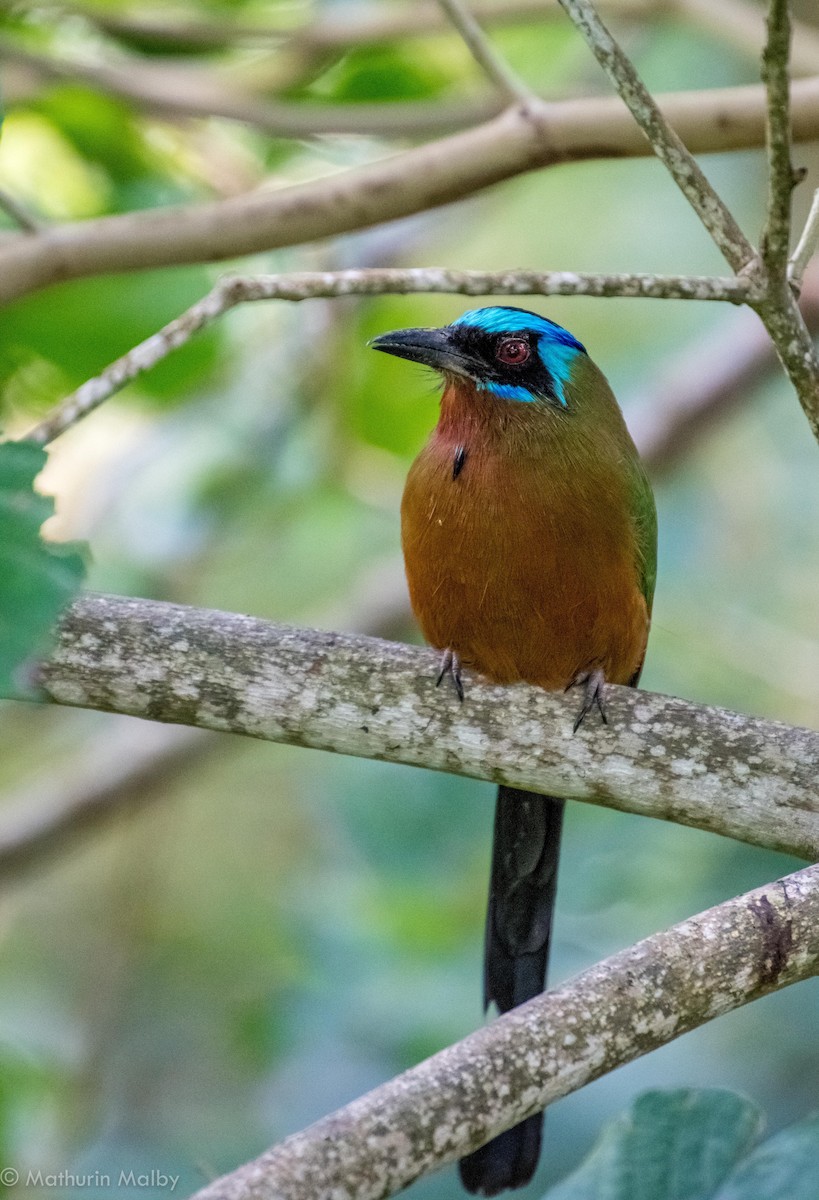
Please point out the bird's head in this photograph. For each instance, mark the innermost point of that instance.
(512, 354)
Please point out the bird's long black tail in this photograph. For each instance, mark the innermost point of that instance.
(518, 931)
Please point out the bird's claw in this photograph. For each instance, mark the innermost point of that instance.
(594, 683)
(451, 665)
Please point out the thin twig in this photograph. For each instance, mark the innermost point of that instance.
(775, 240)
(667, 145)
(806, 246)
(379, 281)
(732, 774)
(699, 386)
(494, 66)
(618, 1010)
(20, 214)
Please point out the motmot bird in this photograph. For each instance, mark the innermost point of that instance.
(529, 535)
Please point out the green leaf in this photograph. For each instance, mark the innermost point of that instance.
(671, 1145)
(37, 578)
(785, 1167)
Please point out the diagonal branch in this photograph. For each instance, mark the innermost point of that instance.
(667, 144)
(701, 384)
(124, 771)
(306, 285)
(658, 756)
(615, 1012)
(491, 63)
(21, 216)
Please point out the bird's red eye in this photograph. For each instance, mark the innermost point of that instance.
(513, 351)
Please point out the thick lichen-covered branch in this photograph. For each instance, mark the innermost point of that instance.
(737, 775)
(613, 1013)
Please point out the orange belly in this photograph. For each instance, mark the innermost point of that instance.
(525, 574)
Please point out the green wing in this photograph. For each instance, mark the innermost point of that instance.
(645, 529)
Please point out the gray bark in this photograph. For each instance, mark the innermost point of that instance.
(747, 778)
(617, 1011)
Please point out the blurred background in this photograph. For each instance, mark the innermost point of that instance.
(261, 933)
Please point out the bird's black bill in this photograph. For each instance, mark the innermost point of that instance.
(432, 347)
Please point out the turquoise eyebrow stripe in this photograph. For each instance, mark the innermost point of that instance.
(506, 391)
(558, 359)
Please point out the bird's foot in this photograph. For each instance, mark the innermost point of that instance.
(451, 665)
(594, 683)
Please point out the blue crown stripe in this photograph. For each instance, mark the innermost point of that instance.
(513, 320)
(556, 346)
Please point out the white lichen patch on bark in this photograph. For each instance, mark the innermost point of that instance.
(659, 756)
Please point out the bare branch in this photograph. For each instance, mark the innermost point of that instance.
(732, 774)
(666, 144)
(491, 63)
(378, 281)
(421, 178)
(192, 91)
(703, 384)
(795, 349)
(54, 810)
(20, 214)
(775, 241)
(807, 245)
(699, 386)
(619, 1010)
(778, 310)
(121, 769)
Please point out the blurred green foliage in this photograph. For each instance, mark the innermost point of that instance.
(37, 578)
(74, 330)
(278, 930)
